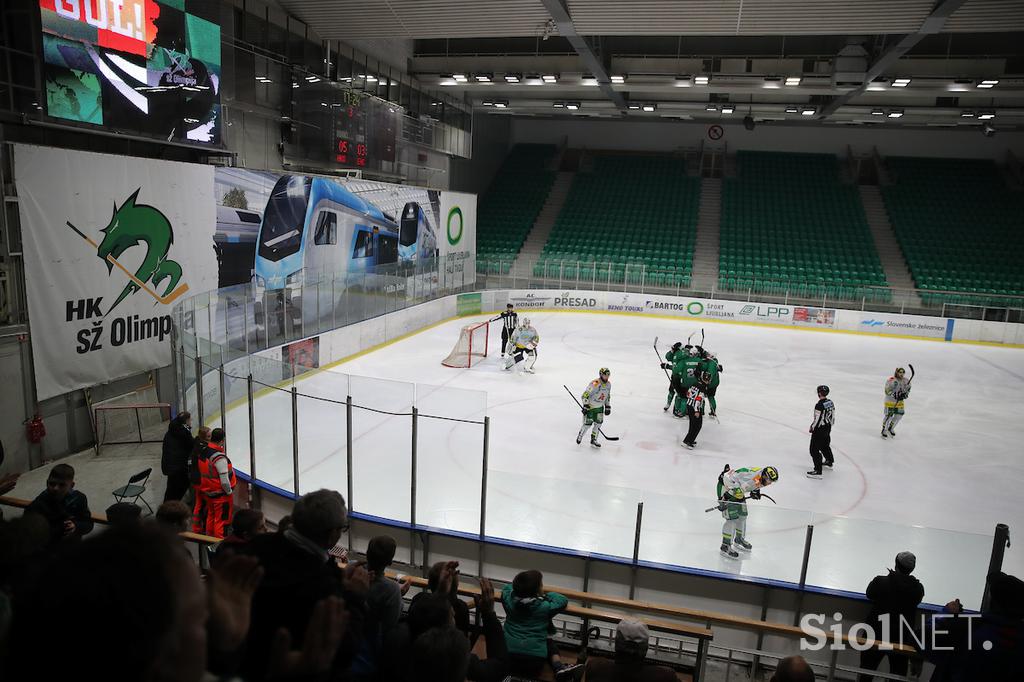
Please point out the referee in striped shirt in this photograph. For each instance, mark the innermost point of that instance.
(509, 320)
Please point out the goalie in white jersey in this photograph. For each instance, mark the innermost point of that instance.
(523, 344)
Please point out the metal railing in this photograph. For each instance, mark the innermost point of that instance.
(640, 278)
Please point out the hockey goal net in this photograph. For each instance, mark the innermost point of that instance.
(471, 346)
(123, 423)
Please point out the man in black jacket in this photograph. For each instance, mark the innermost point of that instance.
(894, 597)
(299, 573)
(177, 446)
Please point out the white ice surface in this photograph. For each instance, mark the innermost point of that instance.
(938, 489)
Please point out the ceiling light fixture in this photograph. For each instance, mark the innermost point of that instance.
(460, 78)
(572, 106)
(588, 80)
(966, 114)
(986, 115)
(901, 82)
(550, 78)
(793, 80)
(683, 81)
(618, 80)
(791, 110)
(633, 107)
(895, 113)
(990, 83)
(513, 77)
(808, 111)
(501, 104)
(650, 107)
(701, 80)
(710, 107)
(728, 108)
(558, 105)
(877, 112)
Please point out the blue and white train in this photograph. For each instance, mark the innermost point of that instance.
(315, 225)
(416, 239)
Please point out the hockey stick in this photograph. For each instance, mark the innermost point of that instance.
(658, 353)
(710, 509)
(911, 373)
(702, 337)
(571, 395)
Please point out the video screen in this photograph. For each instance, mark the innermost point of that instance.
(144, 66)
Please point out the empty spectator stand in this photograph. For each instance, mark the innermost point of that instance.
(632, 218)
(789, 224)
(961, 229)
(511, 204)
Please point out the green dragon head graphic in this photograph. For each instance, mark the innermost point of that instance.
(133, 224)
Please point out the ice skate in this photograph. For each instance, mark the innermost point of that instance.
(593, 442)
(579, 439)
(816, 475)
(884, 434)
(691, 446)
(743, 544)
(892, 434)
(729, 551)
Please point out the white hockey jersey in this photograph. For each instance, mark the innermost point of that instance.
(896, 389)
(525, 337)
(739, 483)
(598, 393)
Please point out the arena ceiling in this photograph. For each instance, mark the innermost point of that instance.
(891, 62)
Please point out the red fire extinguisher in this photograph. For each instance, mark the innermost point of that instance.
(35, 430)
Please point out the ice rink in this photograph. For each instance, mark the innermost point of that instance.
(938, 489)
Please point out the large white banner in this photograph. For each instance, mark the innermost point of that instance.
(111, 243)
(457, 239)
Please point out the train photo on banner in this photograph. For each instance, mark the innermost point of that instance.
(416, 238)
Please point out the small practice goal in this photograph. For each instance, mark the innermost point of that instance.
(124, 423)
(471, 346)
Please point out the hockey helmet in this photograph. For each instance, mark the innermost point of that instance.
(525, 322)
(823, 390)
(899, 372)
(704, 377)
(771, 474)
(694, 351)
(604, 371)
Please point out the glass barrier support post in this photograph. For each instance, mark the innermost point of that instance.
(199, 390)
(483, 497)
(223, 403)
(412, 488)
(183, 405)
(636, 548)
(1000, 541)
(832, 663)
(174, 371)
(254, 500)
(348, 450)
(803, 573)
(295, 441)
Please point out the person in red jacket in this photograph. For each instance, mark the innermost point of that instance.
(217, 481)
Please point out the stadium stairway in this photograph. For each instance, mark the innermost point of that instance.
(705, 251)
(894, 263)
(543, 225)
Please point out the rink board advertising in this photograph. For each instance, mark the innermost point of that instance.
(145, 66)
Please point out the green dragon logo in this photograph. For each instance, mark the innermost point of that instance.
(132, 225)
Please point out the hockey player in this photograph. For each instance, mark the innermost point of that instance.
(711, 365)
(676, 353)
(509, 322)
(597, 403)
(686, 367)
(821, 433)
(897, 388)
(696, 396)
(734, 487)
(523, 343)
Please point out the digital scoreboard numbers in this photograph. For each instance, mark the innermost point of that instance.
(350, 153)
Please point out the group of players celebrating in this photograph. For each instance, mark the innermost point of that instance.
(693, 384)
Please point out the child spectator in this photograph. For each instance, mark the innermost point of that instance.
(63, 507)
(174, 516)
(124, 514)
(528, 614)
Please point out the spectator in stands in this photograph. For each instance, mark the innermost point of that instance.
(175, 516)
(631, 641)
(793, 669)
(247, 524)
(124, 513)
(284, 523)
(64, 508)
(431, 613)
(957, 645)
(298, 574)
(217, 481)
(177, 447)
(528, 614)
(384, 600)
(894, 597)
(459, 608)
(23, 544)
(198, 452)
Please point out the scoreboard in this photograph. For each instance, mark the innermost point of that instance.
(364, 131)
